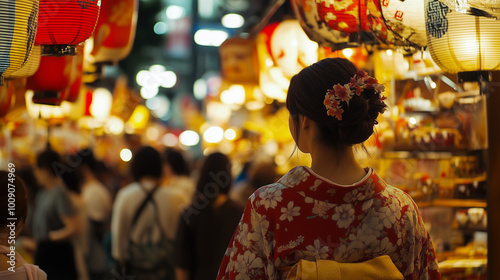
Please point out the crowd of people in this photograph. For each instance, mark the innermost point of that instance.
(175, 221)
(79, 226)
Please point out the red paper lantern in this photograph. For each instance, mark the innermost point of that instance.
(73, 90)
(115, 31)
(340, 24)
(52, 78)
(64, 24)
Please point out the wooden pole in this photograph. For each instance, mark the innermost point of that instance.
(493, 161)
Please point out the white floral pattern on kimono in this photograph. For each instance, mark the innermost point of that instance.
(304, 216)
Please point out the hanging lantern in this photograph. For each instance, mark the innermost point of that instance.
(30, 67)
(18, 21)
(484, 8)
(64, 24)
(459, 42)
(377, 24)
(283, 49)
(406, 20)
(51, 79)
(306, 11)
(124, 99)
(115, 31)
(341, 24)
(239, 61)
(75, 85)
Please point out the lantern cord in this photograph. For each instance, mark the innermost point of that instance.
(271, 10)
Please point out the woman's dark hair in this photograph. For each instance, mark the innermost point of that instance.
(49, 160)
(146, 162)
(215, 176)
(306, 94)
(176, 161)
(18, 198)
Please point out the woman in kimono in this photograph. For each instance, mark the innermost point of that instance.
(335, 209)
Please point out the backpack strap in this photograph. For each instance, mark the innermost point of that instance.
(149, 196)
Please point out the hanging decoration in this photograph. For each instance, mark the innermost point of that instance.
(30, 67)
(50, 81)
(115, 31)
(341, 24)
(239, 61)
(483, 8)
(62, 25)
(283, 49)
(306, 11)
(460, 42)
(75, 85)
(406, 20)
(18, 25)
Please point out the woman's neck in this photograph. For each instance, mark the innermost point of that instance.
(339, 167)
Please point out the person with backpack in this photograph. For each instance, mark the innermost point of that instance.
(141, 241)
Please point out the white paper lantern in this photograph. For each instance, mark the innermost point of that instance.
(460, 42)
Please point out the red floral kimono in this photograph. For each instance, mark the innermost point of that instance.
(305, 216)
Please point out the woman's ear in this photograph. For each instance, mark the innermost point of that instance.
(305, 122)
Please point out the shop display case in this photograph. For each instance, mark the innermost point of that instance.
(439, 158)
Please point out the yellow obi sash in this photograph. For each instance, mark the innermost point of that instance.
(379, 268)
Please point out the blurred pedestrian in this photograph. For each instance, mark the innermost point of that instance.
(259, 174)
(97, 207)
(176, 173)
(208, 223)
(141, 236)
(55, 219)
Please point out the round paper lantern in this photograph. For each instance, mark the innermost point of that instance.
(377, 24)
(73, 90)
(306, 11)
(64, 24)
(406, 20)
(30, 67)
(341, 24)
(349, 17)
(18, 25)
(459, 42)
(115, 31)
(291, 49)
(485, 8)
(51, 79)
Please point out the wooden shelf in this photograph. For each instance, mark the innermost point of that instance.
(456, 203)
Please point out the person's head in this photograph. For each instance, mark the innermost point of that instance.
(146, 163)
(306, 97)
(72, 177)
(261, 174)
(14, 196)
(47, 167)
(176, 162)
(215, 176)
(88, 160)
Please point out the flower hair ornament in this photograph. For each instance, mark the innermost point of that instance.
(358, 83)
